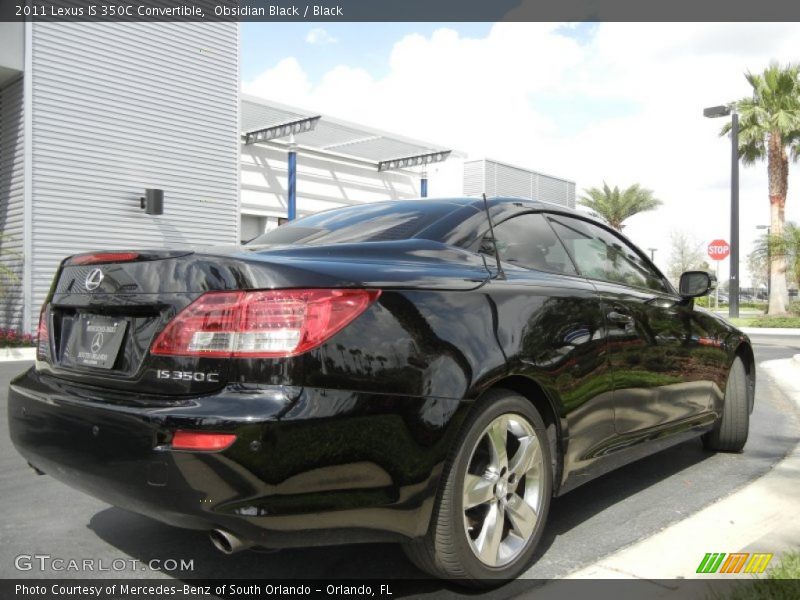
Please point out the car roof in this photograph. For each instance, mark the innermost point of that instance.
(437, 204)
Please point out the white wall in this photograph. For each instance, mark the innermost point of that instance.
(12, 147)
(322, 183)
(12, 51)
(446, 179)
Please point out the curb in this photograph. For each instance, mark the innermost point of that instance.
(742, 521)
(17, 354)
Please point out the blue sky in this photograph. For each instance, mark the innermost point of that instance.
(369, 45)
(615, 102)
(366, 45)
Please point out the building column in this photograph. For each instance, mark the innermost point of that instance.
(423, 185)
(292, 181)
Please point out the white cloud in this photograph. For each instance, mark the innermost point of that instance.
(320, 36)
(285, 82)
(480, 95)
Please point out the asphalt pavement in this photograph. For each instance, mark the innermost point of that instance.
(43, 516)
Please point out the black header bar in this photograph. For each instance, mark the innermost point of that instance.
(400, 10)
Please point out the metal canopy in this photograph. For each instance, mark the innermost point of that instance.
(386, 151)
(413, 161)
(281, 130)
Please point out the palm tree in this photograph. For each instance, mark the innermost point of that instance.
(772, 248)
(614, 206)
(769, 126)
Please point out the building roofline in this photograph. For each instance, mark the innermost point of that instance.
(350, 124)
(519, 168)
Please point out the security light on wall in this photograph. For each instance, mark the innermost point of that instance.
(153, 202)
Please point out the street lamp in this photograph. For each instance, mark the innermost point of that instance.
(769, 258)
(652, 254)
(712, 113)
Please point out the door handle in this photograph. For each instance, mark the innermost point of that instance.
(620, 318)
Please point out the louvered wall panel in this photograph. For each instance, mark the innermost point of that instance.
(500, 179)
(512, 181)
(12, 197)
(121, 107)
(474, 177)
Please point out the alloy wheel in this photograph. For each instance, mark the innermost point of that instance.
(503, 490)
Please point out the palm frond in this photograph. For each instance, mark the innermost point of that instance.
(773, 107)
(615, 206)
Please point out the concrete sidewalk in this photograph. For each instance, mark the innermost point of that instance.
(761, 517)
(770, 331)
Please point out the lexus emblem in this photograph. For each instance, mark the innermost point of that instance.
(93, 280)
(97, 342)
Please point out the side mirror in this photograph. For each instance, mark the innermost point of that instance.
(697, 283)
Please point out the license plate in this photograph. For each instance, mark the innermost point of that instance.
(95, 341)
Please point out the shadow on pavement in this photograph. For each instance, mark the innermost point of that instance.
(145, 539)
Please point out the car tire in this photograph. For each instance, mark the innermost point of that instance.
(730, 432)
(508, 480)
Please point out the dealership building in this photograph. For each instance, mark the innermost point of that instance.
(92, 115)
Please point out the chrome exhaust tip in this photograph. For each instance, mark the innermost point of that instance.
(227, 542)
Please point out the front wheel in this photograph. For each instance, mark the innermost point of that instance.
(730, 432)
(492, 508)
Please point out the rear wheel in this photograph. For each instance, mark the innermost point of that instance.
(730, 432)
(492, 507)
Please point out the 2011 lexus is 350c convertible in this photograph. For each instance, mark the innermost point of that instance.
(430, 372)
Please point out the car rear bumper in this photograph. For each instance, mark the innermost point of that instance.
(309, 466)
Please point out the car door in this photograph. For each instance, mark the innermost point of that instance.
(652, 333)
(551, 328)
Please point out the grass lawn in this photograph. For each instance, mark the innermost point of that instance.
(765, 321)
(782, 582)
(752, 315)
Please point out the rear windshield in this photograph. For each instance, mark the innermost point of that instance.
(385, 221)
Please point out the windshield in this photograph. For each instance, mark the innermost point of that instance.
(384, 221)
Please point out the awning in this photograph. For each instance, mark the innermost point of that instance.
(264, 121)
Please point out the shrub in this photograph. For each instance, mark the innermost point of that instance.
(11, 338)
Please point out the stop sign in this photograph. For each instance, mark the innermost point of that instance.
(719, 250)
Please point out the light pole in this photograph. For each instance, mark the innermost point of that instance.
(769, 259)
(652, 254)
(733, 291)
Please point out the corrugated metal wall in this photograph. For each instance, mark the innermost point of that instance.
(11, 203)
(500, 179)
(120, 107)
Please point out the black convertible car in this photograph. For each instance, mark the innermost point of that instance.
(430, 372)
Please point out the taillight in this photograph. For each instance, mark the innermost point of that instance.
(201, 440)
(264, 324)
(43, 334)
(102, 257)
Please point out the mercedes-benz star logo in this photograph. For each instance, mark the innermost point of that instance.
(93, 279)
(97, 342)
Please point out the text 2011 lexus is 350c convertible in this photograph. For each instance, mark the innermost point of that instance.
(430, 372)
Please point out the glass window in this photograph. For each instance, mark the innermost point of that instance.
(376, 222)
(600, 254)
(528, 241)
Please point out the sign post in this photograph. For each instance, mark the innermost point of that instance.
(718, 250)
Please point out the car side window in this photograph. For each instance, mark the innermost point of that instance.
(528, 241)
(600, 254)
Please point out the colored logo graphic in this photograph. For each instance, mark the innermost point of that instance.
(737, 562)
